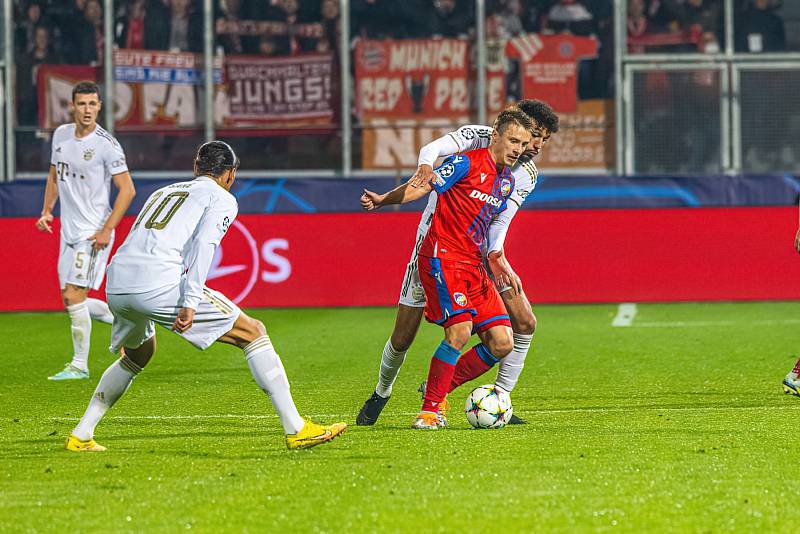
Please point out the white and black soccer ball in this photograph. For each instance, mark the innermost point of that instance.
(488, 407)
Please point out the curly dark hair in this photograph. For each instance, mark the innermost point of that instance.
(214, 158)
(86, 88)
(540, 112)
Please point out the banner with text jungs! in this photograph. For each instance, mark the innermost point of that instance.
(262, 90)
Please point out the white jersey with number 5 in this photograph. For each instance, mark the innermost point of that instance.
(84, 167)
(176, 232)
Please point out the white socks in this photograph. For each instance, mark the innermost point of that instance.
(268, 372)
(81, 327)
(112, 385)
(511, 366)
(391, 361)
(99, 311)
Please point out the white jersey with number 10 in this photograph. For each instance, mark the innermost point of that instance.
(177, 231)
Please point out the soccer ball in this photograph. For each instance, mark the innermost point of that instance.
(488, 407)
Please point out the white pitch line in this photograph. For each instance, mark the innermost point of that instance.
(625, 315)
(611, 409)
(692, 324)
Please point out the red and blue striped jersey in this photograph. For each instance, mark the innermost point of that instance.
(471, 193)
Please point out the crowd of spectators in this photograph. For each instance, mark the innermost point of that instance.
(699, 26)
(71, 31)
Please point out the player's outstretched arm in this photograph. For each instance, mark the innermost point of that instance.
(50, 198)
(125, 196)
(399, 195)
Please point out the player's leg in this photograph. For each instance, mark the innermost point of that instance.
(80, 268)
(136, 333)
(250, 335)
(407, 321)
(496, 344)
(493, 327)
(405, 330)
(447, 304)
(99, 310)
(441, 370)
(791, 384)
(523, 322)
(74, 299)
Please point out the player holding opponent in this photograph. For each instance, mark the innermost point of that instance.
(159, 274)
(412, 296)
(84, 160)
(472, 189)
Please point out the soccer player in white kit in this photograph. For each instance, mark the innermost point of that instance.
(158, 275)
(412, 295)
(84, 160)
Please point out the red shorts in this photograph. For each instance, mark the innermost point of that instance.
(460, 292)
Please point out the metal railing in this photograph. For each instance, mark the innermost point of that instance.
(728, 63)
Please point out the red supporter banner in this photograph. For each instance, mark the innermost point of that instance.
(413, 78)
(549, 66)
(562, 256)
(268, 90)
(162, 91)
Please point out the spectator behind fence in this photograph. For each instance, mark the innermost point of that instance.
(377, 19)
(507, 17)
(570, 16)
(451, 18)
(663, 15)
(27, 67)
(705, 18)
(232, 43)
(26, 28)
(185, 27)
(129, 28)
(330, 27)
(760, 29)
(83, 33)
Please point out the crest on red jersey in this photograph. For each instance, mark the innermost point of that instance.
(505, 187)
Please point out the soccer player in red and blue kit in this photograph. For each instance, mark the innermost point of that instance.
(473, 188)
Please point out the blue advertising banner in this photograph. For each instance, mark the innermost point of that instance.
(331, 195)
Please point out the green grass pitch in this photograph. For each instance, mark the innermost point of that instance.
(674, 424)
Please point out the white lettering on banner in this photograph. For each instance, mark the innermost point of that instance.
(453, 91)
(431, 55)
(380, 94)
(395, 144)
(166, 101)
(282, 265)
(260, 88)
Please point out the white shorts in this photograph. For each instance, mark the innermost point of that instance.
(80, 265)
(412, 293)
(136, 313)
